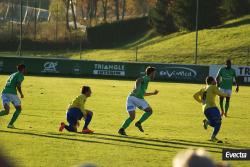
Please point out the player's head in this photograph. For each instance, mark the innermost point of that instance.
(86, 90)
(210, 80)
(150, 71)
(193, 158)
(21, 68)
(228, 63)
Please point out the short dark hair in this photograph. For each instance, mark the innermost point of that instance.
(85, 89)
(228, 60)
(20, 67)
(209, 80)
(149, 70)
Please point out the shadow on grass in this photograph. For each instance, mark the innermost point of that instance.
(186, 143)
(137, 142)
(61, 137)
(236, 24)
(153, 142)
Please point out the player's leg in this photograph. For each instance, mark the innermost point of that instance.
(214, 118)
(130, 107)
(88, 119)
(227, 105)
(127, 122)
(221, 105)
(5, 102)
(144, 117)
(71, 117)
(72, 127)
(17, 103)
(217, 124)
(147, 113)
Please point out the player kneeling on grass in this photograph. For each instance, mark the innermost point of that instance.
(206, 96)
(136, 99)
(9, 94)
(76, 112)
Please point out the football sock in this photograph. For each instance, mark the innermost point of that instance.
(221, 106)
(216, 130)
(87, 121)
(14, 117)
(145, 116)
(226, 106)
(127, 123)
(3, 112)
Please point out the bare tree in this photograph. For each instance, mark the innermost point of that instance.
(69, 4)
(123, 8)
(66, 2)
(117, 13)
(105, 7)
(73, 13)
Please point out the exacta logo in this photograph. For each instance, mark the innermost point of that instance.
(178, 72)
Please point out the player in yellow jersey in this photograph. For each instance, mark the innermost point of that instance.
(206, 96)
(76, 111)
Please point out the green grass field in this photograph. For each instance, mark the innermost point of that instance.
(230, 39)
(174, 126)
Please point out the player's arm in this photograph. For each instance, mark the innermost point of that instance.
(82, 108)
(19, 89)
(236, 82)
(151, 93)
(138, 83)
(220, 93)
(218, 77)
(197, 96)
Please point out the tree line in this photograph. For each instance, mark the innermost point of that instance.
(172, 15)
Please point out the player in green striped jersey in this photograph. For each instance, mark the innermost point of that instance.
(136, 99)
(9, 94)
(225, 79)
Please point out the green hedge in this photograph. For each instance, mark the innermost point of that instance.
(113, 34)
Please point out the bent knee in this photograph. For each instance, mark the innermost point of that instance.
(19, 108)
(132, 117)
(149, 110)
(90, 113)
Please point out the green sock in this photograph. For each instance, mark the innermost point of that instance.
(3, 112)
(221, 106)
(127, 123)
(226, 106)
(145, 116)
(14, 117)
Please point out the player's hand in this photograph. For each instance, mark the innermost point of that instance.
(156, 92)
(237, 89)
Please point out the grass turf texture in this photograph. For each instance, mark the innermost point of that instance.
(176, 124)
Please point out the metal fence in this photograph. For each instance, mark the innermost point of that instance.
(24, 26)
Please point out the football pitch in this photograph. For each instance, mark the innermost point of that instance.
(176, 124)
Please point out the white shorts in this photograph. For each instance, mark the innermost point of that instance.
(227, 91)
(14, 99)
(133, 102)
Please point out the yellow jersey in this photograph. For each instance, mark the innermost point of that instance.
(207, 95)
(79, 102)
